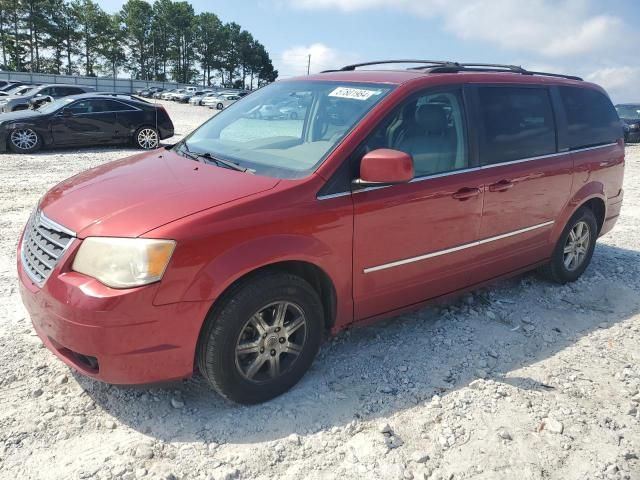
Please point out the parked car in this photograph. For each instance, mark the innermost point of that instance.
(225, 100)
(234, 251)
(87, 119)
(159, 93)
(198, 97)
(11, 85)
(12, 103)
(629, 113)
(16, 91)
(186, 96)
(166, 95)
(149, 92)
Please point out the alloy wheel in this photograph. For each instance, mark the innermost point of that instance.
(271, 342)
(25, 139)
(577, 246)
(148, 138)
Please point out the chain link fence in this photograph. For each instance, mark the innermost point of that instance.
(101, 84)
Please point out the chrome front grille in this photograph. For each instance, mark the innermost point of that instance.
(43, 245)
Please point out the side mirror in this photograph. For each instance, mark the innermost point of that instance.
(385, 167)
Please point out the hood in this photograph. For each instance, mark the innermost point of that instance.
(18, 115)
(129, 197)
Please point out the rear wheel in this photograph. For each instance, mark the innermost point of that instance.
(24, 140)
(574, 249)
(262, 337)
(147, 138)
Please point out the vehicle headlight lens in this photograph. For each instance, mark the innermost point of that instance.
(123, 262)
(635, 126)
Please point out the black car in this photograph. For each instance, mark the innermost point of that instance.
(87, 119)
(629, 113)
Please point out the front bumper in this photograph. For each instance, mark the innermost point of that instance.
(116, 336)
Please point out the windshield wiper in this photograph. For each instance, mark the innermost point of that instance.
(207, 157)
(220, 161)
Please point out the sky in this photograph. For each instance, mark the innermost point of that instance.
(595, 39)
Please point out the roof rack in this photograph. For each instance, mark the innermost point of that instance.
(440, 66)
(489, 67)
(349, 68)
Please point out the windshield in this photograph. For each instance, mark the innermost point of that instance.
(287, 128)
(19, 90)
(55, 105)
(629, 111)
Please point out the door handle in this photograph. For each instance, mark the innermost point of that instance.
(466, 193)
(501, 186)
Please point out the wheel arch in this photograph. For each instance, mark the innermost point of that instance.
(591, 195)
(308, 271)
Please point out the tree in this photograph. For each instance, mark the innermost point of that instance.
(208, 38)
(110, 46)
(92, 21)
(166, 40)
(137, 16)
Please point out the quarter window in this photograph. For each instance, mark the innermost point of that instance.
(517, 123)
(591, 118)
(429, 127)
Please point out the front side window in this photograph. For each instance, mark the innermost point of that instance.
(429, 127)
(288, 128)
(517, 123)
(591, 118)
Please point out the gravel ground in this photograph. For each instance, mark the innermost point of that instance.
(524, 379)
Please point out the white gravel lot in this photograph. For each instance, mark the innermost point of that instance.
(525, 379)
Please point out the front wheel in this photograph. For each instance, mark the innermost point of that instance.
(574, 249)
(219, 106)
(147, 138)
(24, 140)
(262, 337)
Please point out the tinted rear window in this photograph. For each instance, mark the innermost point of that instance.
(517, 123)
(591, 117)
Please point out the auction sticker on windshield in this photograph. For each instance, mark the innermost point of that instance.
(354, 93)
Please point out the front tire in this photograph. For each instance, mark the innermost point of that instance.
(147, 138)
(261, 338)
(24, 140)
(219, 106)
(574, 249)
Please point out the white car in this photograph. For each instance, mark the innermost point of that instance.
(198, 97)
(223, 101)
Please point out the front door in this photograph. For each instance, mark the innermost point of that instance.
(85, 122)
(527, 181)
(416, 241)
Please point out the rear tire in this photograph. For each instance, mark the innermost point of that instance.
(261, 337)
(574, 249)
(147, 138)
(24, 140)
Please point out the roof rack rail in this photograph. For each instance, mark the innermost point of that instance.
(445, 66)
(349, 68)
(490, 67)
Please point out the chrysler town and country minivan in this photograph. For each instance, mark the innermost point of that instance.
(235, 250)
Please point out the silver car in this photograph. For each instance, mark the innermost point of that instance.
(11, 103)
(224, 100)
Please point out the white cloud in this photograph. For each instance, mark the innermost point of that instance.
(551, 29)
(294, 60)
(620, 82)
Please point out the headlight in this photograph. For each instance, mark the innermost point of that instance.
(123, 262)
(635, 126)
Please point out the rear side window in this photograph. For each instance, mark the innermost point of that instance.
(591, 118)
(517, 123)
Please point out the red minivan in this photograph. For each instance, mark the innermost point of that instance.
(237, 249)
